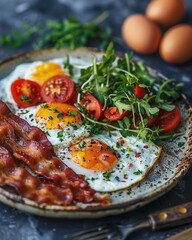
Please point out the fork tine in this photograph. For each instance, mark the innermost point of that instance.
(92, 235)
(89, 230)
(95, 233)
(98, 228)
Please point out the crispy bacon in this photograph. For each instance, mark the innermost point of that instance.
(29, 145)
(18, 178)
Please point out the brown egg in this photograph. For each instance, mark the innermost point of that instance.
(141, 34)
(176, 45)
(165, 12)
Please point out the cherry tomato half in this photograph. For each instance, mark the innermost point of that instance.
(26, 93)
(59, 88)
(140, 92)
(93, 106)
(169, 120)
(113, 114)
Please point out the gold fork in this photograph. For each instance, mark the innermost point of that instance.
(166, 218)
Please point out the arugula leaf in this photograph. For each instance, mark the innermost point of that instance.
(122, 106)
(69, 66)
(168, 91)
(167, 107)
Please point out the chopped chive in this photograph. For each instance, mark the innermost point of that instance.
(72, 113)
(138, 172)
(60, 115)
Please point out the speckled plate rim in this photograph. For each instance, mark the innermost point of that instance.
(91, 211)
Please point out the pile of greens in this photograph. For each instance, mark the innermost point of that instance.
(112, 82)
(70, 33)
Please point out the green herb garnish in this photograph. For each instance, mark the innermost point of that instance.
(107, 175)
(45, 106)
(26, 99)
(72, 113)
(47, 133)
(60, 135)
(82, 145)
(60, 115)
(55, 110)
(181, 144)
(138, 172)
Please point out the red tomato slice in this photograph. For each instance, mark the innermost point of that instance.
(113, 114)
(59, 88)
(139, 92)
(26, 93)
(93, 106)
(169, 120)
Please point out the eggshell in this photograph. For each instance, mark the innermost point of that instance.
(176, 45)
(141, 34)
(166, 12)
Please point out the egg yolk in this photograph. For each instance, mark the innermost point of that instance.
(93, 154)
(58, 115)
(46, 70)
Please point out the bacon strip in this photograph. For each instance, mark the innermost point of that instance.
(29, 186)
(29, 145)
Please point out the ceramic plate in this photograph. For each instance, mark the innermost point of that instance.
(170, 168)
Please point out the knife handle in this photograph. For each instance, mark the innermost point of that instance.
(171, 217)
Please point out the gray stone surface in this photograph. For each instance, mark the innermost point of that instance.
(21, 226)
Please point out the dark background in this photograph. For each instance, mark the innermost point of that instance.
(21, 226)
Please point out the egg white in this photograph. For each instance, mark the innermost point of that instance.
(129, 169)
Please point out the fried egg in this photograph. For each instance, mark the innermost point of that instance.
(110, 163)
(61, 122)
